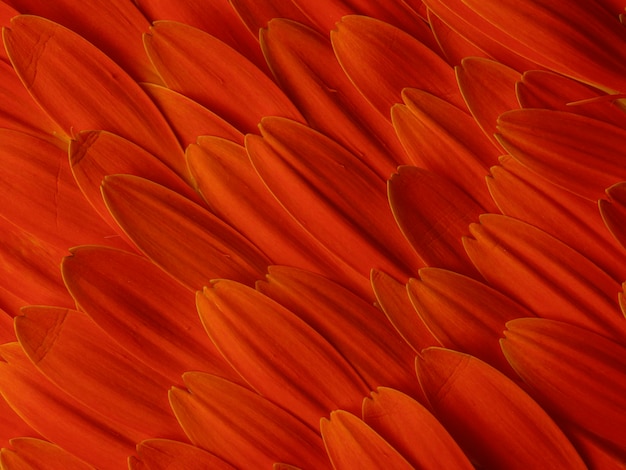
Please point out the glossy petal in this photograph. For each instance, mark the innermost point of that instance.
(241, 426)
(27, 454)
(234, 88)
(410, 428)
(479, 406)
(245, 325)
(161, 454)
(421, 202)
(517, 258)
(381, 60)
(589, 389)
(76, 355)
(50, 60)
(189, 242)
(581, 154)
(613, 211)
(351, 443)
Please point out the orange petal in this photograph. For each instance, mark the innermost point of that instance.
(256, 335)
(393, 299)
(28, 453)
(422, 202)
(189, 242)
(256, 15)
(479, 407)
(545, 275)
(50, 60)
(12, 424)
(242, 427)
(454, 46)
(613, 211)
(70, 349)
(487, 103)
(411, 429)
(573, 373)
(581, 154)
(357, 329)
(143, 309)
(234, 88)
(521, 193)
(332, 194)
(429, 127)
(306, 68)
(464, 314)
(162, 454)
(88, 435)
(351, 443)
(381, 60)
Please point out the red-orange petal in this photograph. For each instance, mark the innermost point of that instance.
(519, 259)
(28, 453)
(273, 350)
(351, 443)
(256, 15)
(188, 242)
(241, 426)
(234, 88)
(454, 46)
(613, 211)
(410, 428)
(382, 60)
(574, 373)
(479, 406)
(163, 454)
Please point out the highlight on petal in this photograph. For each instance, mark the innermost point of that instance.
(27, 453)
(163, 454)
(589, 389)
(613, 211)
(242, 427)
(480, 406)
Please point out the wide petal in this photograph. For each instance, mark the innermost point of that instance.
(188, 242)
(241, 426)
(589, 385)
(257, 335)
(28, 453)
(163, 454)
(479, 407)
(234, 88)
(517, 258)
(382, 60)
(613, 211)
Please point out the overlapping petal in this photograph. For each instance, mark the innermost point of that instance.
(163, 454)
(28, 453)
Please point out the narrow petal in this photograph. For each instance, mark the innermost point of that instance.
(28, 453)
(454, 46)
(162, 454)
(421, 201)
(581, 154)
(382, 60)
(12, 424)
(241, 426)
(50, 60)
(410, 428)
(590, 386)
(76, 355)
(245, 325)
(256, 15)
(517, 258)
(351, 443)
(189, 242)
(613, 211)
(234, 88)
(479, 406)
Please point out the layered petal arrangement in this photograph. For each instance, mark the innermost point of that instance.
(280, 235)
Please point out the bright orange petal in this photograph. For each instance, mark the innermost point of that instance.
(188, 242)
(28, 454)
(256, 15)
(613, 211)
(162, 454)
(479, 407)
(12, 424)
(454, 46)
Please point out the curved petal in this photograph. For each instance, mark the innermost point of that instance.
(162, 454)
(454, 46)
(613, 211)
(28, 453)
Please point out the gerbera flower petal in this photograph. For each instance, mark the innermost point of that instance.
(50, 60)
(242, 427)
(613, 211)
(590, 388)
(256, 15)
(381, 60)
(421, 200)
(375, 352)
(413, 431)
(519, 259)
(140, 306)
(27, 453)
(581, 154)
(235, 89)
(464, 314)
(244, 325)
(189, 242)
(163, 454)
(454, 46)
(306, 69)
(12, 424)
(479, 406)
(325, 188)
(351, 443)
(70, 350)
